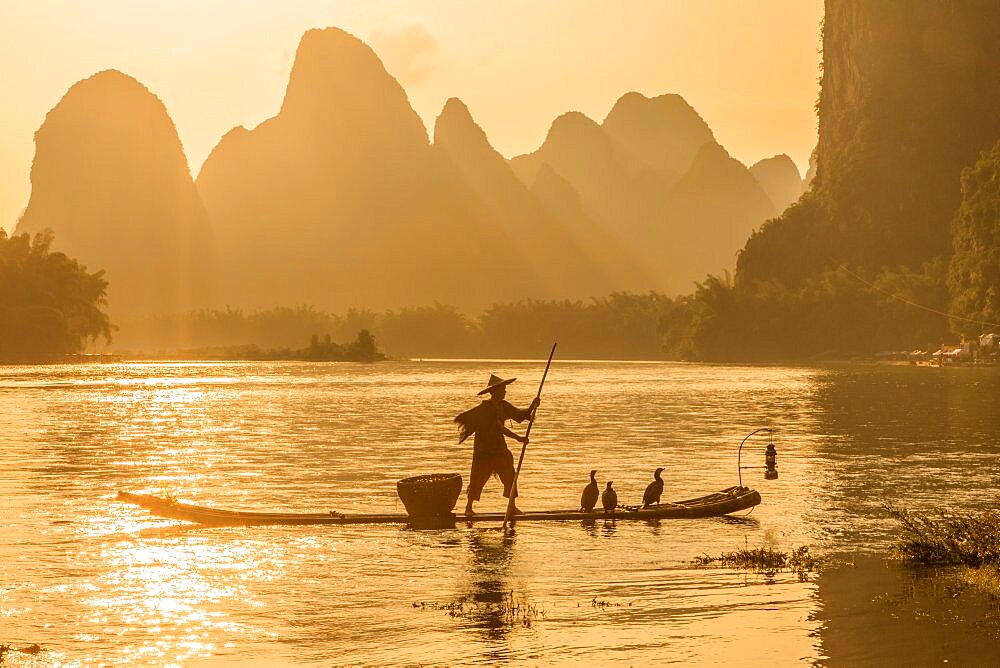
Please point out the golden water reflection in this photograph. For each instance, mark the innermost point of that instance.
(97, 582)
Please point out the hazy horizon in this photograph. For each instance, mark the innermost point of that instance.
(749, 68)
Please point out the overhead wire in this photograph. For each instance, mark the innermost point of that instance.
(915, 304)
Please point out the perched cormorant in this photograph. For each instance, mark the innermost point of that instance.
(609, 499)
(654, 490)
(590, 494)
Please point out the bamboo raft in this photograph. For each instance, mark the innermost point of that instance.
(729, 500)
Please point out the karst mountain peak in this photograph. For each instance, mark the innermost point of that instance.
(664, 131)
(111, 180)
(338, 81)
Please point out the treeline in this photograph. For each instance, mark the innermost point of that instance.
(838, 313)
(280, 327)
(619, 326)
(50, 305)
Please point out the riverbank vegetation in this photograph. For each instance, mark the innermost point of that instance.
(619, 326)
(960, 539)
(720, 321)
(792, 300)
(50, 305)
(505, 611)
(970, 540)
(974, 274)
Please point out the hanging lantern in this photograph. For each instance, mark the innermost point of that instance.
(770, 462)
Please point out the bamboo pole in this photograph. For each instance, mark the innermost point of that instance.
(508, 516)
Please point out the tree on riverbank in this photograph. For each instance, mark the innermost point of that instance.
(974, 275)
(49, 303)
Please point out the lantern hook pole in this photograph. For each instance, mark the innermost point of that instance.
(739, 452)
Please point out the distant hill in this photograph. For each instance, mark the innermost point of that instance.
(653, 176)
(780, 179)
(612, 184)
(711, 212)
(572, 256)
(340, 200)
(664, 132)
(111, 180)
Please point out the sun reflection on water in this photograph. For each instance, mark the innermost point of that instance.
(171, 598)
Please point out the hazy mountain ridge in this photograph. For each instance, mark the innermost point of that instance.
(341, 195)
(111, 180)
(341, 199)
(718, 203)
(563, 255)
(664, 132)
(654, 177)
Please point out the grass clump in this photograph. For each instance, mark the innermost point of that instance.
(603, 605)
(966, 539)
(506, 611)
(31, 649)
(764, 560)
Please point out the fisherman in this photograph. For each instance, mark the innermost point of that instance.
(489, 449)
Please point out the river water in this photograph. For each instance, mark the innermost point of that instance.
(97, 582)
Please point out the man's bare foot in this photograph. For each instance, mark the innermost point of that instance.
(469, 512)
(516, 511)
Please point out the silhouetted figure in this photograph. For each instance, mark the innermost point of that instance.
(489, 449)
(654, 490)
(609, 499)
(590, 494)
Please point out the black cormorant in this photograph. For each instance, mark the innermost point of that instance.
(609, 499)
(653, 491)
(590, 494)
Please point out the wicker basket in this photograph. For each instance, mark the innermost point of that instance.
(432, 495)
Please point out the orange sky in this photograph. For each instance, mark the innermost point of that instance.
(750, 67)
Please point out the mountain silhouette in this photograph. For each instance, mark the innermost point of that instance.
(340, 199)
(780, 179)
(571, 256)
(664, 132)
(615, 189)
(111, 180)
(716, 204)
(655, 179)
